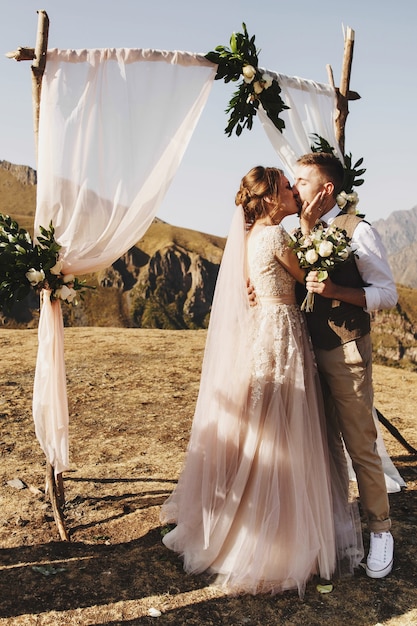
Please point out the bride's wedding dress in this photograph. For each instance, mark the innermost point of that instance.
(255, 503)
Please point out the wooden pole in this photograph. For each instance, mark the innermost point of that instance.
(38, 68)
(343, 91)
(395, 433)
(54, 484)
(55, 489)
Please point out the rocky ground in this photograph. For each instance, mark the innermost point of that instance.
(131, 397)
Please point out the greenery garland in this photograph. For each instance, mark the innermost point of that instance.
(240, 61)
(348, 198)
(25, 265)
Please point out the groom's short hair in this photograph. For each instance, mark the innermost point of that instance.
(328, 164)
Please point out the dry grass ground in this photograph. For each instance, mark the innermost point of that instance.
(131, 396)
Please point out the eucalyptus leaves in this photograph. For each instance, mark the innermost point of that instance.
(240, 62)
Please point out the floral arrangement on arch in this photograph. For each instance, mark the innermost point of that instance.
(347, 199)
(323, 249)
(240, 62)
(25, 265)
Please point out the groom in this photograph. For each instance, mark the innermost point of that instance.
(340, 332)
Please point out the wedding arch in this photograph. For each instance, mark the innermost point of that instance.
(106, 156)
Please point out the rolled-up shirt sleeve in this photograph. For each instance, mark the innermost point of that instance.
(373, 266)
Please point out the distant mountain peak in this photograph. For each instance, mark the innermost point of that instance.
(24, 174)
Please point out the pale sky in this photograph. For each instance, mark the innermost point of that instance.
(295, 38)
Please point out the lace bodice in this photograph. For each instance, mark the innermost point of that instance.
(267, 275)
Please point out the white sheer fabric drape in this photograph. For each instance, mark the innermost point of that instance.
(312, 110)
(114, 125)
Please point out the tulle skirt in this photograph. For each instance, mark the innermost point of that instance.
(256, 503)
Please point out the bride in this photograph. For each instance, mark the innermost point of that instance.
(255, 504)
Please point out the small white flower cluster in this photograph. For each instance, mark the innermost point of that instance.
(317, 247)
(65, 291)
(264, 82)
(348, 201)
(25, 265)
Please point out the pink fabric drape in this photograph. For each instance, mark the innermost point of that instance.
(114, 125)
(312, 108)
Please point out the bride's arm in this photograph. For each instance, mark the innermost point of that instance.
(288, 259)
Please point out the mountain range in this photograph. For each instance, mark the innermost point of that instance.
(399, 235)
(167, 279)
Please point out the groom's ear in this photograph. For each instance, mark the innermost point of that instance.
(329, 188)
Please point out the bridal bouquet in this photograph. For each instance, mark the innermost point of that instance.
(321, 250)
(25, 265)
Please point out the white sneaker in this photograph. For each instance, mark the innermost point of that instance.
(381, 555)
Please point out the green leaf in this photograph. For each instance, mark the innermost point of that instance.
(233, 45)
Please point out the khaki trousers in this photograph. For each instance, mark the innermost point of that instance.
(346, 377)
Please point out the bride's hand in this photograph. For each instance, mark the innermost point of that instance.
(251, 293)
(311, 212)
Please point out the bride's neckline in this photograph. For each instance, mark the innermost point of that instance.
(260, 227)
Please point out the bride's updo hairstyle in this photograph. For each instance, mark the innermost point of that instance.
(258, 184)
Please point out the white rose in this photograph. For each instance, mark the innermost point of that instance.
(248, 72)
(267, 80)
(316, 236)
(311, 256)
(257, 87)
(71, 295)
(68, 278)
(56, 269)
(325, 248)
(341, 199)
(353, 197)
(353, 200)
(63, 292)
(345, 253)
(35, 276)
